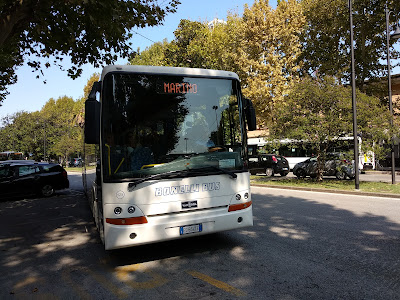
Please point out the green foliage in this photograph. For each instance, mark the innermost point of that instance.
(151, 56)
(320, 112)
(180, 52)
(326, 40)
(270, 48)
(261, 47)
(86, 31)
(50, 133)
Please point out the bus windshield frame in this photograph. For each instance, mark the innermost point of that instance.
(159, 124)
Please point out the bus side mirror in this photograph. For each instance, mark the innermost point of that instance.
(92, 116)
(250, 114)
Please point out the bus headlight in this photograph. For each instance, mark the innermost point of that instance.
(117, 210)
(238, 197)
(246, 196)
(131, 209)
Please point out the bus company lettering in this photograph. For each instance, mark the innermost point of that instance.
(180, 88)
(188, 188)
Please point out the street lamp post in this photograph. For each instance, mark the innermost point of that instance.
(353, 89)
(395, 35)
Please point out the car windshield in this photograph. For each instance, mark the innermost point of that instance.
(155, 124)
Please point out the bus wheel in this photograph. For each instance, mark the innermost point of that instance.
(101, 230)
(47, 190)
(269, 172)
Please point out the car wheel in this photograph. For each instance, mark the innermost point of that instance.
(340, 175)
(47, 190)
(283, 174)
(269, 172)
(301, 173)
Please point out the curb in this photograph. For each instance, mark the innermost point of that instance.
(333, 191)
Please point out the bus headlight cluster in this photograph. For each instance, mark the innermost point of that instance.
(245, 196)
(118, 210)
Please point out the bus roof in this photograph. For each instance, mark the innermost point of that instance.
(169, 71)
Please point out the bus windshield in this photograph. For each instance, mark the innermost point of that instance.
(160, 124)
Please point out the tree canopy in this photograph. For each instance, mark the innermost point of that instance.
(94, 32)
(319, 111)
(262, 47)
(54, 132)
(326, 40)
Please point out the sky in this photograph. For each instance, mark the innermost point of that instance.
(30, 94)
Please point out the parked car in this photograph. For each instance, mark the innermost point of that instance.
(270, 164)
(76, 162)
(335, 165)
(26, 178)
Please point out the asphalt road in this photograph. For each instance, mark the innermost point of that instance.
(303, 245)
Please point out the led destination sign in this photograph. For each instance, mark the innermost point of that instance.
(177, 88)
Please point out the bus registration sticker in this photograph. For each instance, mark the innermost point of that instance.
(190, 229)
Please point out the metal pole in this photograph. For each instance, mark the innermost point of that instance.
(353, 89)
(390, 93)
(44, 141)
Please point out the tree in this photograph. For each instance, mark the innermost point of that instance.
(87, 31)
(23, 132)
(177, 53)
(151, 56)
(326, 40)
(320, 113)
(269, 51)
(262, 47)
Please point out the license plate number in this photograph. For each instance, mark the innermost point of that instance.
(190, 229)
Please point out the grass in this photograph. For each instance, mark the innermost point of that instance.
(328, 183)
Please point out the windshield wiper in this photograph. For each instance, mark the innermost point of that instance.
(231, 174)
(171, 174)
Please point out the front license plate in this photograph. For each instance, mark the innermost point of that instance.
(190, 229)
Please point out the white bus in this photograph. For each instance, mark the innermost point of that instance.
(172, 154)
(11, 155)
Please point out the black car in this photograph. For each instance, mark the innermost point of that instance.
(270, 164)
(22, 178)
(335, 165)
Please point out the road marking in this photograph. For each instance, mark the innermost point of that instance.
(122, 274)
(219, 284)
(106, 283)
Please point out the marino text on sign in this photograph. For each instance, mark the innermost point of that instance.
(180, 88)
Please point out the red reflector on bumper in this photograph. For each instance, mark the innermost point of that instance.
(127, 221)
(239, 206)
